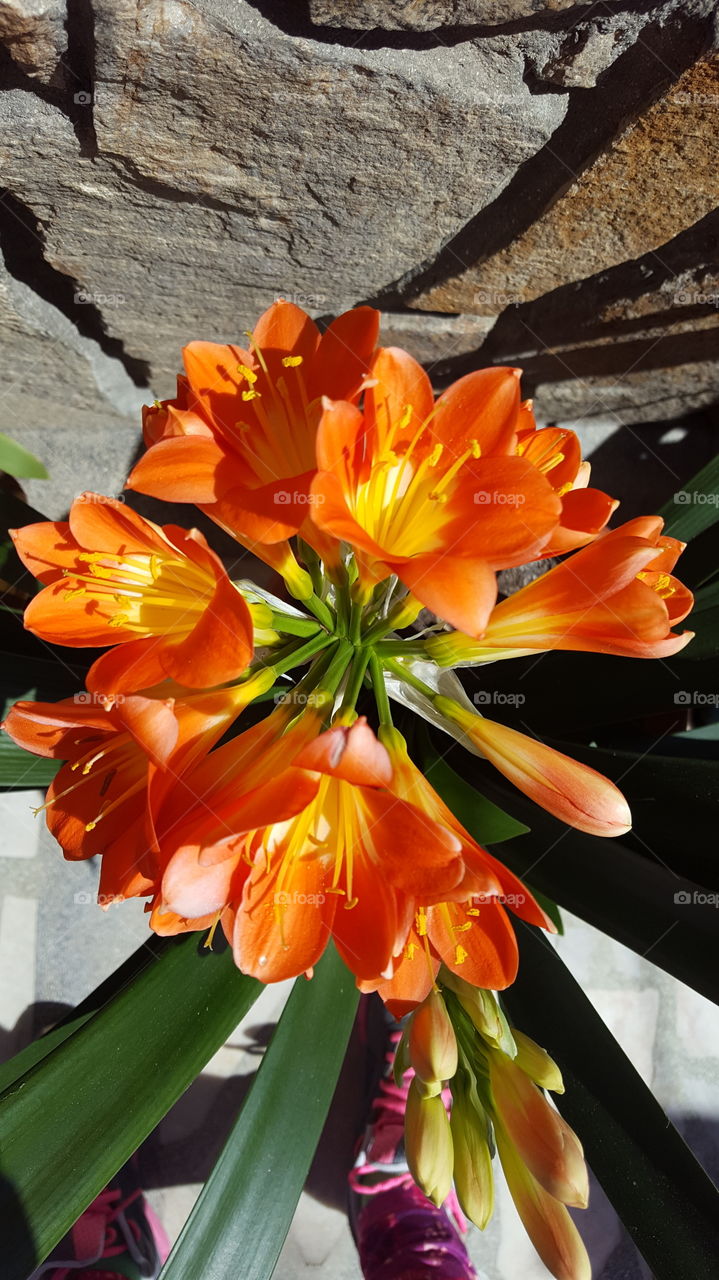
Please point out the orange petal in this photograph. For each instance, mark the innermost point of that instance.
(461, 591)
(416, 853)
(214, 380)
(284, 923)
(343, 355)
(482, 406)
(103, 524)
(366, 930)
(51, 728)
(543, 1140)
(414, 975)
(478, 944)
(187, 469)
(46, 549)
(286, 328)
(353, 754)
(220, 646)
(129, 667)
(401, 385)
(152, 723)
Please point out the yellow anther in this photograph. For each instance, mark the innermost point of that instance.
(435, 455)
(351, 902)
(473, 911)
(410, 950)
(251, 394)
(74, 591)
(476, 448)
(157, 404)
(90, 826)
(565, 488)
(437, 497)
(460, 955)
(248, 374)
(462, 928)
(406, 417)
(291, 362)
(422, 923)
(117, 620)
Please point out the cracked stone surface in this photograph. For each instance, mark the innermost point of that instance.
(237, 152)
(33, 33)
(424, 15)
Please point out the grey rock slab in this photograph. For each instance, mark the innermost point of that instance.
(33, 32)
(425, 15)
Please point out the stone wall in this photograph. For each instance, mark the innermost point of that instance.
(512, 181)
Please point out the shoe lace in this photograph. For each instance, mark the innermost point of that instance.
(119, 1233)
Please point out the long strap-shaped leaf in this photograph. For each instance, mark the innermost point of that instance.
(243, 1214)
(71, 1120)
(659, 1190)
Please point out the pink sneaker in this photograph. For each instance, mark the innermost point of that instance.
(400, 1234)
(116, 1238)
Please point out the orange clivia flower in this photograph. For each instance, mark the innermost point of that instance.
(616, 596)
(121, 757)
(433, 492)
(161, 597)
(557, 453)
(239, 439)
(342, 853)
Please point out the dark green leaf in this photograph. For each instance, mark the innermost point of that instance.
(246, 1207)
(695, 506)
(20, 770)
(71, 1121)
(482, 819)
(659, 1190)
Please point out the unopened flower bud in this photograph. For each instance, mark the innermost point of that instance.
(428, 1144)
(473, 1178)
(482, 1007)
(537, 1064)
(545, 1220)
(432, 1042)
(544, 1141)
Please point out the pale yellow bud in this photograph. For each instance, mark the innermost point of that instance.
(473, 1178)
(537, 1064)
(432, 1042)
(428, 1145)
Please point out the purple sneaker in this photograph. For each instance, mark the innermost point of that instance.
(399, 1233)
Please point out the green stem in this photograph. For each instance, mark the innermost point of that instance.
(354, 684)
(402, 648)
(322, 612)
(339, 664)
(298, 654)
(409, 678)
(380, 691)
(355, 628)
(291, 625)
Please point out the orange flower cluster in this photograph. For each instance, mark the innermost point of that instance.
(331, 460)
(307, 825)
